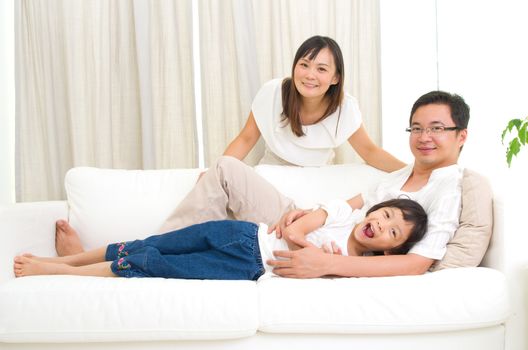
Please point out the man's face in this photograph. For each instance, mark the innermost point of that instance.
(435, 150)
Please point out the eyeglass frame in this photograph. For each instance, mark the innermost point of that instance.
(429, 130)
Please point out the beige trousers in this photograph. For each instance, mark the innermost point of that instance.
(230, 189)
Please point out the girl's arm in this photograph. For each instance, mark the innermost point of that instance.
(302, 226)
(245, 141)
(371, 153)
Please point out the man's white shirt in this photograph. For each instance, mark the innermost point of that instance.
(441, 198)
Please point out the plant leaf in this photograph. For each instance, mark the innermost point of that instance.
(511, 124)
(522, 133)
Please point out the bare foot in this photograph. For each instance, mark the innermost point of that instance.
(26, 266)
(57, 260)
(67, 240)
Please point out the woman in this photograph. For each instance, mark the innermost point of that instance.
(304, 118)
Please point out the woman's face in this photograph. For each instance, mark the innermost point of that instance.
(313, 78)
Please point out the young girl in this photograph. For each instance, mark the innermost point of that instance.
(237, 250)
(304, 118)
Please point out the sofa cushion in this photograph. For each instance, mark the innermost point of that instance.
(80, 309)
(471, 239)
(310, 185)
(451, 299)
(109, 205)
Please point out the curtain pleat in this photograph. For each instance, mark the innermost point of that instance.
(83, 98)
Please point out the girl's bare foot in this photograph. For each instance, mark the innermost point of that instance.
(57, 260)
(67, 241)
(26, 266)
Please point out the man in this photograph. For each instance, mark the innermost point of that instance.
(438, 130)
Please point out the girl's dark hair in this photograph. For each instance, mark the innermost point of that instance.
(413, 213)
(291, 99)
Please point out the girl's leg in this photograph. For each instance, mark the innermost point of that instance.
(195, 238)
(212, 250)
(25, 266)
(84, 258)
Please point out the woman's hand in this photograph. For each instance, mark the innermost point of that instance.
(286, 220)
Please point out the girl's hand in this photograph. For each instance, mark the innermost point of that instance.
(286, 220)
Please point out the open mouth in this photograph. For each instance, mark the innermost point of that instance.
(367, 231)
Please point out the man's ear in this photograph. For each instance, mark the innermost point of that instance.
(462, 137)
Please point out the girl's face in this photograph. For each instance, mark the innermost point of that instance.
(383, 229)
(313, 78)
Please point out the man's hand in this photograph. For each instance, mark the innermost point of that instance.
(286, 220)
(307, 262)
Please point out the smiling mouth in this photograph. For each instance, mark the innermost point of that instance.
(426, 149)
(367, 231)
(310, 85)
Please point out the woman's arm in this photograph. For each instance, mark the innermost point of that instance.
(371, 153)
(298, 229)
(245, 141)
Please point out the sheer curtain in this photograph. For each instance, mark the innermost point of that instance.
(272, 31)
(230, 76)
(84, 98)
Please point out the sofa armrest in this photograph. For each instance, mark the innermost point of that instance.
(28, 227)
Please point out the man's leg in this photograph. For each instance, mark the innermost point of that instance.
(229, 189)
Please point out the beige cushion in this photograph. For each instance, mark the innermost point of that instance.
(471, 240)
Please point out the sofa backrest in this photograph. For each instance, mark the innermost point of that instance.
(108, 205)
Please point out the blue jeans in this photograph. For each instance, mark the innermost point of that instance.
(226, 250)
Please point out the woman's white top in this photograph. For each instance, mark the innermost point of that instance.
(316, 147)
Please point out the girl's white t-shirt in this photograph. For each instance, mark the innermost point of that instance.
(338, 226)
(316, 147)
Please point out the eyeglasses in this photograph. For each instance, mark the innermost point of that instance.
(435, 130)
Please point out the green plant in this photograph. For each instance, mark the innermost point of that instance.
(520, 137)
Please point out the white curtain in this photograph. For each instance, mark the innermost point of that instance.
(245, 43)
(84, 98)
(171, 89)
(230, 76)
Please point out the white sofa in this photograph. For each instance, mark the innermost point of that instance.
(463, 308)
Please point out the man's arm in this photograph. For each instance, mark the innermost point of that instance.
(311, 262)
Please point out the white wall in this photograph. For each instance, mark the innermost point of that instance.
(483, 56)
(408, 61)
(7, 102)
